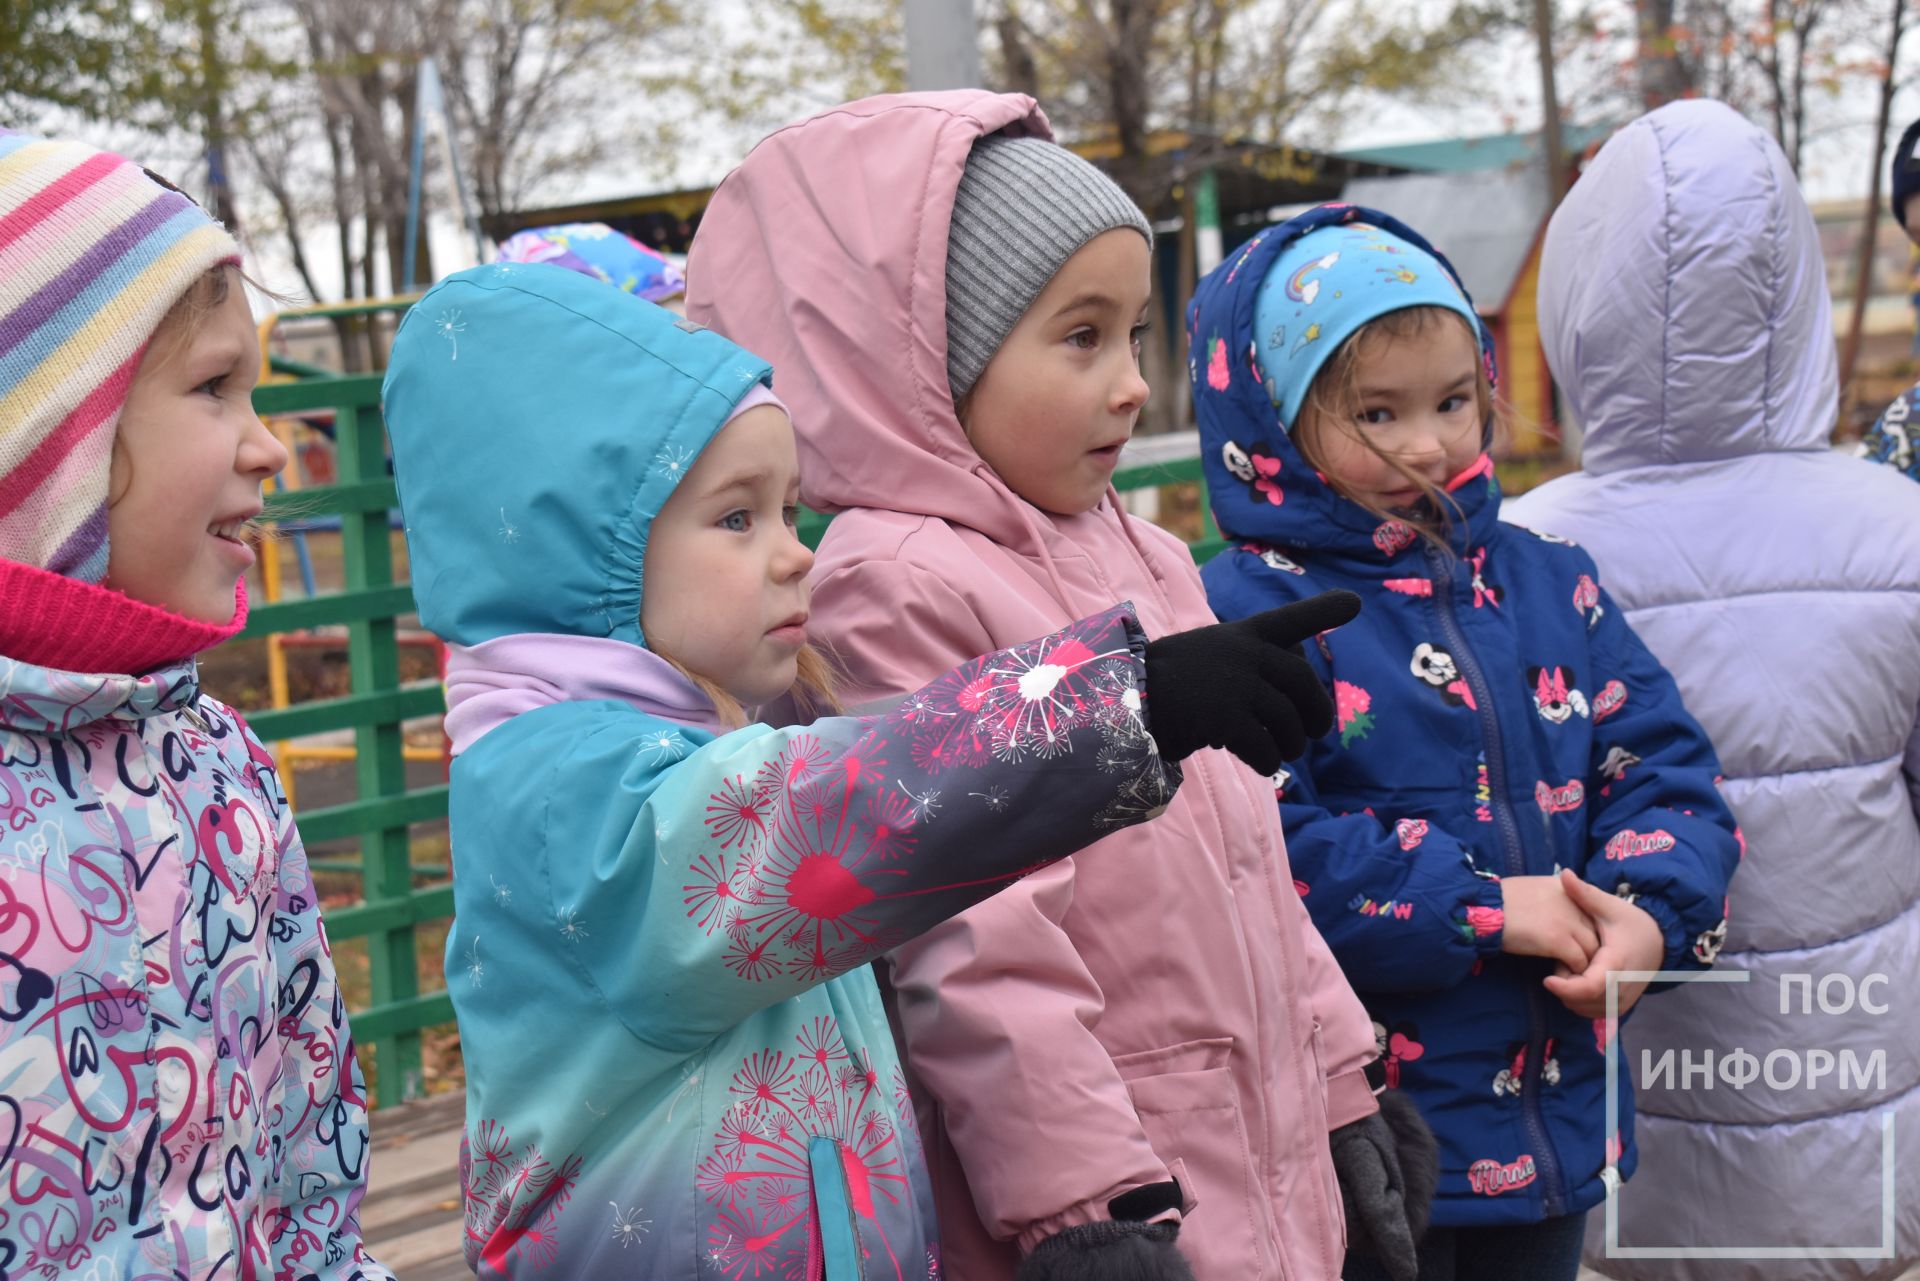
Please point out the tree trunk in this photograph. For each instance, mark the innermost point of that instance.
(1554, 147)
(214, 117)
(1870, 217)
(1662, 78)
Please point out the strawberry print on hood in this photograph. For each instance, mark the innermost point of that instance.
(1515, 725)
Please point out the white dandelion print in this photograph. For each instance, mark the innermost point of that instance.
(662, 746)
(673, 461)
(476, 968)
(450, 326)
(502, 894)
(996, 798)
(628, 1226)
(509, 532)
(572, 929)
(924, 803)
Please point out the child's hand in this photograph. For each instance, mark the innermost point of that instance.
(1244, 685)
(1542, 921)
(1630, 939)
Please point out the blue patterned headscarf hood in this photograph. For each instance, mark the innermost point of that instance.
(1262, 491)
(1324, 286)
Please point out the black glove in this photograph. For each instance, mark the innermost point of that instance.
(1388, 1165)
(1244, 686)
(1109, 1250)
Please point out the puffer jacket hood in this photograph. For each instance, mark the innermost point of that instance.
(557, 477)
(1709, 334)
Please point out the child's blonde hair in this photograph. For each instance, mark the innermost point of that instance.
(815, 692)
(1334, 398)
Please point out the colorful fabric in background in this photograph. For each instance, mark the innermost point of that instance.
(1891, 438)
(1326, 285)
(597, 250)
(93, 254)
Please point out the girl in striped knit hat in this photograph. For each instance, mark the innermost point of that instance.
(178, 1094)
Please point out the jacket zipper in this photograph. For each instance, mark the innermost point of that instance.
(1551, 1180)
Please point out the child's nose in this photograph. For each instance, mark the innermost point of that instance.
(795, 559)
(261, 453)
(1130, 394)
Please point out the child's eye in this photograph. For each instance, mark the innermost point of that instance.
(1453, 404)
(1139, 334)
(738, 521)
(212, 386)
(791, 515)
(1085, 339)
(1375, 416)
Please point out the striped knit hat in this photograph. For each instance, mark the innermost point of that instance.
(1023, 208)
(93, 254)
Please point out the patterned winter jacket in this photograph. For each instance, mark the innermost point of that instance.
(1497, 717)
(677, 1060)
(178, 1092)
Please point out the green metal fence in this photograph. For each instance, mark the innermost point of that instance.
(370, 608)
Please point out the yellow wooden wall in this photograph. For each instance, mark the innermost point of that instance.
(1524, 379)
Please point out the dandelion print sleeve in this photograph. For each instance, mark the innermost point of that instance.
(767, 861)
(1658, 833)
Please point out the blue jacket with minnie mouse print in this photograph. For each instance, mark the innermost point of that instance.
(1497, 717)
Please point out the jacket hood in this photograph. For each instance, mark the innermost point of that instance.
(1683, 297)
(826, 250)
(1260, 487)
(540, 419)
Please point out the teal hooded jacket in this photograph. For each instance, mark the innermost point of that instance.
(677, 1060)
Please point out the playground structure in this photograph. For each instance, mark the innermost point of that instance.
(309, 441)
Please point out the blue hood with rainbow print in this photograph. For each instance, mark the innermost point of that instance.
(1260, 486)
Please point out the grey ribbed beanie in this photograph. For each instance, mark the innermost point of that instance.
(1024, 207)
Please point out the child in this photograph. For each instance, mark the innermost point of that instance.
(180, 1093)
(1155, 1032)
(1517, 802)
(677, 1062)
(1745, 549)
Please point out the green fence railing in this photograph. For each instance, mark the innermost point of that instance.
(375, 709)
(370, 607)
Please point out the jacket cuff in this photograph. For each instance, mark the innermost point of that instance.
(1094, 1210)
(1349, 1099)
(1679, 944)
(1484, 919)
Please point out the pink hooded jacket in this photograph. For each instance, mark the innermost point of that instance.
(1158, 1006)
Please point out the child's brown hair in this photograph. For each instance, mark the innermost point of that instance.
(1334, 398)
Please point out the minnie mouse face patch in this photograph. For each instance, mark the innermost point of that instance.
(1258, 470)
(1554, 695)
